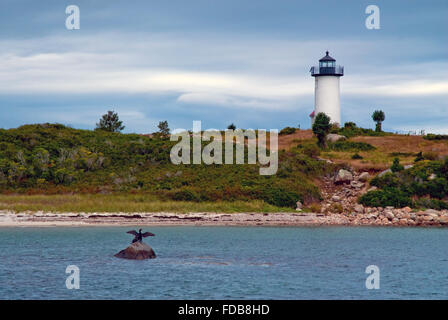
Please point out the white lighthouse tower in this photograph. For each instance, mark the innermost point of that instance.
(326, 90)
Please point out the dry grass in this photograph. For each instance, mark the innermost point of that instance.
(405, 147)
(126, 203)
(285, 142)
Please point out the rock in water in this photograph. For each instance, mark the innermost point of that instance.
(137, 251)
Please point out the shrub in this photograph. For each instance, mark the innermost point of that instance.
(350, 146)
(419, 157)
(185, 195)
(396, 166)
(280, 197)
(387, 197)
(321, 128)
(337, 207)
(432, 204)
(315, 207)
(430, 155)
(287, 130)
(357, 156)
(349, 125)
(387, 180)
(431, 136)
(309, 149)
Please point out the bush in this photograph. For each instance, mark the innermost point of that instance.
(387, 180)
(287, 130)
(349, 125)
(431, 136)
(419, 157)
(185, 195)
(396, 166)
(357, 156)
(426, 183)
(430, 155)
(353, 131)
(280, 197)
(387, 197)
(435, 204)
(350, 146)
(321, 127)
(337, 207)
(309, 149)
(315, 207)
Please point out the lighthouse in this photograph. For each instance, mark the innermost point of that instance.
(326, 89)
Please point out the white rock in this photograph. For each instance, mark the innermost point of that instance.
(343, 176)
(333, 137)
(364, 176)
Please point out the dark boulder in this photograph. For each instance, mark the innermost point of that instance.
(137, 251)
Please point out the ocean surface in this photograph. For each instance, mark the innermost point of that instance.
(226, 263)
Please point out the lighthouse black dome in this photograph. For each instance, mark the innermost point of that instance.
(327, 58)
(327, 67)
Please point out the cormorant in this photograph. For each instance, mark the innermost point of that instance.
(139, 235)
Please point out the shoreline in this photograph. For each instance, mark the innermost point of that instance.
(43, 219)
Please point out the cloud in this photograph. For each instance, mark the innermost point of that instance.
(219, 71)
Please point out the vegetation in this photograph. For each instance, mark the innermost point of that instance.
(351, 130)
(378, 116)
(164, 130)
(287, 130)
(110, 122)
(424, 185)
(344, 145)
(419, 157)
(231, 127)
(396, 166)
(321, 128)
(54, 159)
(126, 203)
(431, 136)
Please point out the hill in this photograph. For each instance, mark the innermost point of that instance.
(51, 159)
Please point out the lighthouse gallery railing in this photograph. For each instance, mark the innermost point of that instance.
(336, 70)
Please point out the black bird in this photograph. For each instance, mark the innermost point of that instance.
(139, 235)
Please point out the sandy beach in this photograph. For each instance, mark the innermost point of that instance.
(43, 219)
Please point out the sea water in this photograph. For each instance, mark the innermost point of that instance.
(226, 263)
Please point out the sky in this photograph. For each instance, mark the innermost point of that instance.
(221, 62)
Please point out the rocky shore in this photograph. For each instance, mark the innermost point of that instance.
(372, 217)
(339, 206)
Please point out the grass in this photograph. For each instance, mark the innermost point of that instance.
(386, 146)
(126, 203)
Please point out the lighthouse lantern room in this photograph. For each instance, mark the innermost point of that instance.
(326, 90)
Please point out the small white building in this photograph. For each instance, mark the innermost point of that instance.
(326, 90)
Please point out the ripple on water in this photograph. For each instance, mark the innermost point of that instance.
(226, 263)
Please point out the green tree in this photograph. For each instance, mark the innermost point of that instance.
(164, 130)
(321, 128)
(110, 122)
(378, 116)
(419, 157)
(231, 126)
(396, 166)
(350, 125)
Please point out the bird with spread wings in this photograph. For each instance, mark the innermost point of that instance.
(139, 235)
